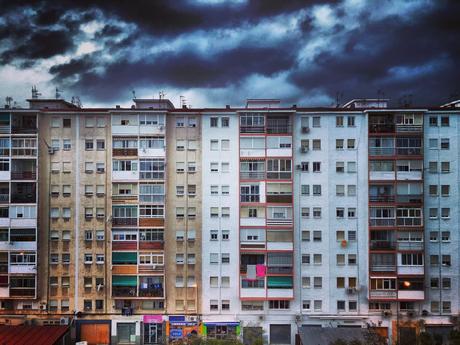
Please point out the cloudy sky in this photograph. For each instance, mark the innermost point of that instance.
(217, 52)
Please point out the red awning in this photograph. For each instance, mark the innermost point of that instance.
(26, 335)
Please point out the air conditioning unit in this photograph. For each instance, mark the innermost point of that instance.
(43, 306)
(298, 166)
(350, 291)
(305, 129)
(298, 317)
(161, 127)
(410, 313)
(193, 318)
(424, 312)
(51, 150)
(261, 318)
(64, 321)
(386, 313)
(304, 149)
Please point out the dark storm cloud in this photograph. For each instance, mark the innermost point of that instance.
(185, 69)
(421, 50)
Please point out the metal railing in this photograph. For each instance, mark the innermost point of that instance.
(381, 151)
(249, 175)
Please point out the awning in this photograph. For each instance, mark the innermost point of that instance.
(124, 280)
(124, 257)
(279, 282)
(25, 335)
(230, 323)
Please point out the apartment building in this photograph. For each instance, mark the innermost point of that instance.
(151, 223)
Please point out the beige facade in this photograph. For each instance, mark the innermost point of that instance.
(183, 220)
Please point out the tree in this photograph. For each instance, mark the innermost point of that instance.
(425, 339)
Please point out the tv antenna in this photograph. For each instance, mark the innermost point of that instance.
(161, 94)
(8, 101)
(134, 93)
(183, 101)
(380, 96)
(58, 93)
(35, 92)
(338, 97)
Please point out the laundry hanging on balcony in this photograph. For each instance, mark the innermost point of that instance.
(261, 270)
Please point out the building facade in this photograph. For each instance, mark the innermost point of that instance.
(151, 223)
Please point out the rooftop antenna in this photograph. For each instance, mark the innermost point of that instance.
(134, 94)
(380, 97)
(161, 94)
(35, 92)
(338, 97)
(8, 101)
(183, 101)
(58, 93)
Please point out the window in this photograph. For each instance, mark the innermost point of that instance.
(225, 235)
(180, 145)
(180, 167)
(433, 121)
(433, 143)
(444, 121)
(317, 282)
(316, 121)
(55, 144)
(214, 304)
(339, 144)
(352, 259)
(100, 122)
(89, 122)
(55, 121)
(66, 167)
(88, 235)
(100, 144)
(89, 167)
(305, 189)
(446, 283)
(316, 212)
(89, 144)
(180, 122)
(66, 123)
(317, 259)
(214, 144)
(351, 167)
(351, 121)
(445, 190)
(316, 166)
(340, 212)
(340, 235)
(213, 121)
(351, 190)
(316, 144)
(192, 145)
(225, 190)
(214, 167)
(339, 121)
(100, 235)
(225, 145)
(434, 283)
(351, 235)
(306, 259)
(225, 258)
(66, 213)
(214, 258)
(445, 143)
(225, 167)
(445, 236)
(88, 258)
(446, 260)
(306, 282)
(225, 122)
(445, 212)
(317, 236)
(304, 166)
(340, 167)
(351, 144)
(351, 212)
(192, 122)
(445, 167)
(340, 305)
(305, 236)
(225, 212)
(340, 190)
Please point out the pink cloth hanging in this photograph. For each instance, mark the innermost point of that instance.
(261, 270)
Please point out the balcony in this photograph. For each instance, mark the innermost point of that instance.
(410, 198)
(22, 292)
(382, 221)
(411, 295)
(279, 125)
(279, 270)
(409, 221)
(408, 128)
(382, 198)
(23, 175)
(279, 175)
(252, 129)
(383, 245)
(411, 270)
(381, 127)
(24, 124)
(279, 198)
(151, 292)
(383, 294)
(279, 221)
(124, 152)
(252, 175)
(253, 293)
(381, 175)
(410, 245)
(124, 291)
(409, 151)
(381, 151)
(383, 268)
(124, 221)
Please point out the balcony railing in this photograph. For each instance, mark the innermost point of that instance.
(382, 222)
(23, 175)
(382, 294)
(409, 221)
(410, 245)
(281, 198)
(410, 198)
(24, 151)
(27, 199)
(124, 221)
(409, 151)
(250, 198)
(279, 270)
(383, 245)
(381, 198)
(4, 129)
(279, 175)
(19, 292)
(383, 268)
(24, 129)
(151, 292)
(252, 175)
(278, 127)
(400, 128)
(124, 152)
(381, 128)
(252, 129)
(120, 291)
(4, 198)
(381, 151)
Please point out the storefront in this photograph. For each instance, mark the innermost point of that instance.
(153, 329)
(178, 328)
(220, 330)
